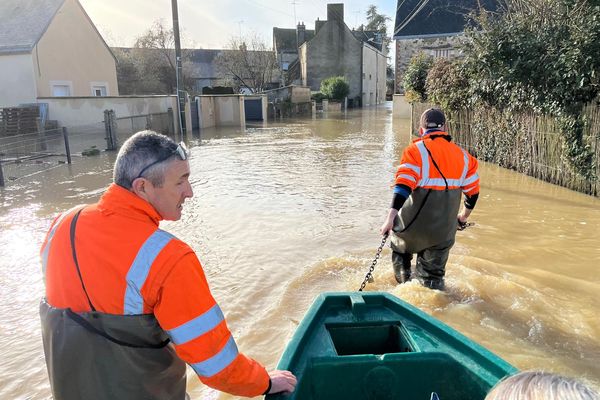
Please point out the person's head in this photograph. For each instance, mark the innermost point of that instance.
(538, 385)
(432, 118)
(156, 169)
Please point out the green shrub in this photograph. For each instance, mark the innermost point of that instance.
(447, 84)
(415, 78)
(317, 97)
(540, 56)
(335, 87)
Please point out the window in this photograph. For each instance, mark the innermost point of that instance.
(98, 91)
(442, 53)
(61, 90)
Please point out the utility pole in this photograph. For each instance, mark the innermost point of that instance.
(178, 71)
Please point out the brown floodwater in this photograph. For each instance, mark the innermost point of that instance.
(285, 211)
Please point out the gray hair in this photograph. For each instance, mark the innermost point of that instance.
(539, 385)
(139, 151)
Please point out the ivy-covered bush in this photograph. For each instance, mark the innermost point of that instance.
(335, 87)
(540, 56)
(447, 84)
(415, 78)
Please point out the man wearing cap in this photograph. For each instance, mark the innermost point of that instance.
(424, 214)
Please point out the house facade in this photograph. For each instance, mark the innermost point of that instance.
(51, 48)
(434, 29)
(335, 50)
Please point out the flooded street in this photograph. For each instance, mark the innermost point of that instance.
(286, 211)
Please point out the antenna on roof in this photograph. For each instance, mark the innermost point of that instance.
(240, 22)
(293, 2)
(357, 12)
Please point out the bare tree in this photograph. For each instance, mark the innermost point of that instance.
(248, 63)
(149, 67)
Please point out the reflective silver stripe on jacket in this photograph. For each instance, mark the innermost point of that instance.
(198, 326)
(138, 272)
(218, 362)
(426, 181)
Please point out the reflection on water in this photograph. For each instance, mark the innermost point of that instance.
(283, 212)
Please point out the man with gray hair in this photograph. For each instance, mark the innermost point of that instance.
(540, 385)
(127, 304)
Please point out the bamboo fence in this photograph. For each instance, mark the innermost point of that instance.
(523, 142)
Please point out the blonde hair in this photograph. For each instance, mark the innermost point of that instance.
(538, 385)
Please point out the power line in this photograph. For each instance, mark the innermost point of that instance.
(410, 15)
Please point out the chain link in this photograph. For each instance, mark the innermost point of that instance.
(369, 276)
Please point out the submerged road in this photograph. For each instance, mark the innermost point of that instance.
(285, 211)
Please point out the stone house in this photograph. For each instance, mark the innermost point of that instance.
(307, 57)
(51, 48)
(433, 27)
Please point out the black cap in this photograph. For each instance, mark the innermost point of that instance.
(433, 118)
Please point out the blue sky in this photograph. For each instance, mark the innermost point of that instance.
(210, 24)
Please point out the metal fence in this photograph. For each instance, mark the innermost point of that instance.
(24, 154)
(159, 122)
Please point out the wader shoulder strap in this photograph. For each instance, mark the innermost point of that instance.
(73, 225)
(435, 164)
(429, 191)
(82, 321)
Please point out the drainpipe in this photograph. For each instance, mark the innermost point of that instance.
(362, 61)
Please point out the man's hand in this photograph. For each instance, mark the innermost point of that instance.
(389, 221)
(282, 381)
(464, 215)
(462, 219)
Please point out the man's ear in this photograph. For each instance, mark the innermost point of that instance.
(138, 186)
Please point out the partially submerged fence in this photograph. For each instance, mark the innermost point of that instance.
(524, 142)
(24, 154)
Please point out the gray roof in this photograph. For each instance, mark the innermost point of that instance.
(428, 18)
(284, 39)
(24, 22)
(373, 38)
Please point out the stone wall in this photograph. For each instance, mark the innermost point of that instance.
(333, 51)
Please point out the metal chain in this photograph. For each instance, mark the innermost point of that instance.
(464, 225)
(369, 276)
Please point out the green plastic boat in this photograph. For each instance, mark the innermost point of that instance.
(372, 345)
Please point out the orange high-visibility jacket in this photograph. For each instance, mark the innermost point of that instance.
(130, 267)
(417, 168)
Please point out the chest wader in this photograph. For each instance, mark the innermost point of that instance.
(99, 356)
(426, 226)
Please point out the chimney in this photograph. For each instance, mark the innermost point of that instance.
(318, 25)
(300, 34)
(335, 12)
